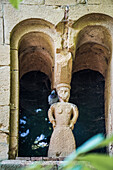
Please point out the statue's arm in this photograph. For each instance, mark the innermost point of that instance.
(51, 116)
(75, 116)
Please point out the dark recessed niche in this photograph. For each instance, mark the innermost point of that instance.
(34, 127)
(87, 92)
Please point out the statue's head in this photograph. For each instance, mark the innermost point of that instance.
(63, 91)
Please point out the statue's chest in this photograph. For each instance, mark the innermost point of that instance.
(63, 109)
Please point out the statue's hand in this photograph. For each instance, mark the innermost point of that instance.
(71, 125)
(54, 124)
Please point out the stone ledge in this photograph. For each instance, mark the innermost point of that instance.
(16, 164)
(40, 158)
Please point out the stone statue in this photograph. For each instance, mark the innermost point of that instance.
(63, 116)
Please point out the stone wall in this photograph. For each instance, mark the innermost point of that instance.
(52, 11)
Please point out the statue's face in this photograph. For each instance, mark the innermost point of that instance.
(63, 93)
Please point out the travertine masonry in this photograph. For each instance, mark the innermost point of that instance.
(4, 147)
(1, 31)
(3, 137)
(4, 118)
(4, 85)
(78, 11)
(61, 2)
(96, 2)
(4, 55)
(48, 13)
(35, 2)
(0, 10)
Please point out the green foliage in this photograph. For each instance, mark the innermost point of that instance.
(37, 166)
(82, 160)
(15, 3)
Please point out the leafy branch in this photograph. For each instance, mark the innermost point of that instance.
(15, 3)
(81, 159)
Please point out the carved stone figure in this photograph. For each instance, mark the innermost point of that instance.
(63, 116)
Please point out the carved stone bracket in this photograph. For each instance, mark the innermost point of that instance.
(63, 68)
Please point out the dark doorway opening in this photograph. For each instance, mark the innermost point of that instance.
(34, 128)
(87, 92)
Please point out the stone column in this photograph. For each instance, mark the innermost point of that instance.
(63, 68)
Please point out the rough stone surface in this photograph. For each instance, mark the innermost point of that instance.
(59, 2)
(31, 2)
(4, 147)
(0, 9)
(4, 118)
(96, 2)
(78, 11)
(30, 11)
(3, 137)
(63, 68)
(36, 2)
(4, 85)
(4, 54)
(15, 164)
(1, 32)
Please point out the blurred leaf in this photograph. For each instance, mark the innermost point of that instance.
(106, 142)
(98, 161)
(86, 147)
(37, 166)
(90, 144)
(34, 166)
(15, 3)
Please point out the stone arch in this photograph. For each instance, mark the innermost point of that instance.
(93, 50)
(36, 53)
(22, 48)
(93, 19)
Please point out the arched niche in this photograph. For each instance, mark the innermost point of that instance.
(93, 19)
(93, 52)
(34, 127)
(32, 49)
(36, 52)
(87, 92)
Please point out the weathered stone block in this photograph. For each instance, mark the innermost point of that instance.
(80, 10)
(36, 2)
(4, 138)
(63, 68)
(96, 2)
(1, 31)
(60, 2)
(48, 13)
(4, 118)
(4, 54)
(4, 85)
(4, 147)
(0, 9)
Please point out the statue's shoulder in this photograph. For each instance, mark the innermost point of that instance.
(54, 104)
(73, 105)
